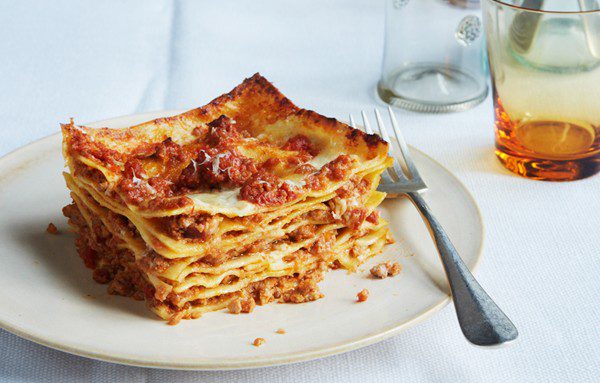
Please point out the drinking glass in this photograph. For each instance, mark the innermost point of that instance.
(433, 55)
(545, 63)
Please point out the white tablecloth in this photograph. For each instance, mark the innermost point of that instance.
(97, 59)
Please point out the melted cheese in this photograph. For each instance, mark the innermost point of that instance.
(324, 157)
(226, 202)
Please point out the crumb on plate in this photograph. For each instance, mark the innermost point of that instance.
(387, 269)
(363, 295)
(52, 229)
(258, 342)
(389, 239)
(280, 331)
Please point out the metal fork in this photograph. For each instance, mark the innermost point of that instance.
(481, 320)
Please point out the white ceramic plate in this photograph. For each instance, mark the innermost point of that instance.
(49, 297)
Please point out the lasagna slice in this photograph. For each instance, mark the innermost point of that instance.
(244, 201)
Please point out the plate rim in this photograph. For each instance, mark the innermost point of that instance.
(257, 362)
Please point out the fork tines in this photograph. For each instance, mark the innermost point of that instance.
(397, 179)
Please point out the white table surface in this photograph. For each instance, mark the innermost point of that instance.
(96, 59)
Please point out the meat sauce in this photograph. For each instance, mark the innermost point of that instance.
(301, 143)
(266, 189)
(152, 173)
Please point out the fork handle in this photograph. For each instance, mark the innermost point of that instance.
(481, 320)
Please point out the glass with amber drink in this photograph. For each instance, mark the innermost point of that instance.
(544, 59)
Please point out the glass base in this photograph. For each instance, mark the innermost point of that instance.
(432, 88)
(550, 170)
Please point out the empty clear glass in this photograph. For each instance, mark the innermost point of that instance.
(433, 56)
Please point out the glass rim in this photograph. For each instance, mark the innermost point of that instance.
(504, 3)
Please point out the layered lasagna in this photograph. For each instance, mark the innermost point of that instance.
(244, 201)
